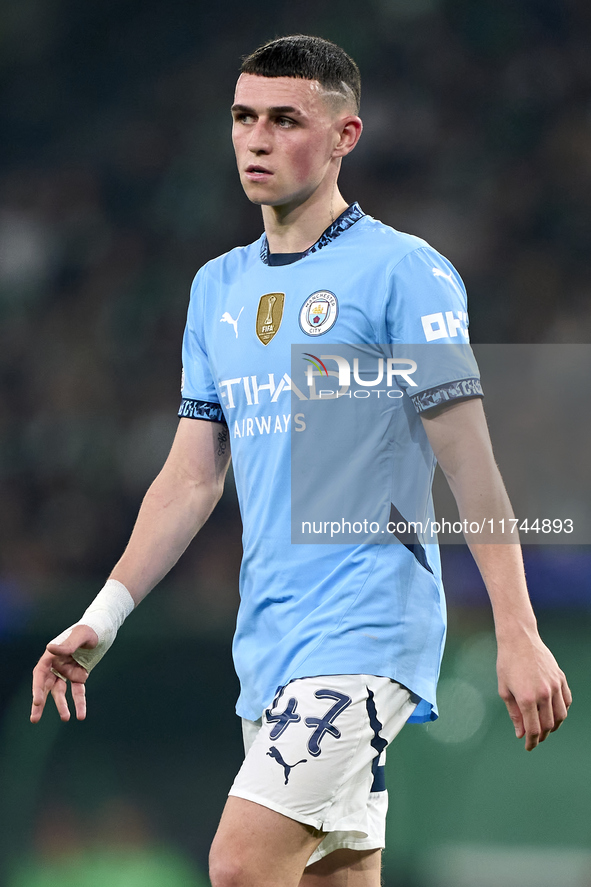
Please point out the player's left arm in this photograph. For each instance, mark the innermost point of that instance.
(531, 683)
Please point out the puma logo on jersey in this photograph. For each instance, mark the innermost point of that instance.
(227, 318)
(287, 768)
(437, 272)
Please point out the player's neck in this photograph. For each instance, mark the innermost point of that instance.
(295, 229)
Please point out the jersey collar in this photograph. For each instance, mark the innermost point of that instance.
(351, 215)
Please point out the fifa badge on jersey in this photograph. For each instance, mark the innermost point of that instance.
(269, 316)
(319, 313)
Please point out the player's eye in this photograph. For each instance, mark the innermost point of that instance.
(243, 118)
(285, 122)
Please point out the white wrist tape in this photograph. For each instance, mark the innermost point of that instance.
(105, 615)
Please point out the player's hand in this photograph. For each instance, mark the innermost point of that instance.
(58, 658)
(533, 688)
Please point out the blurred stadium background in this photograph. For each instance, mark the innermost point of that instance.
(116, 183)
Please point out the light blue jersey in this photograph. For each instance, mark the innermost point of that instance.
(313, 609)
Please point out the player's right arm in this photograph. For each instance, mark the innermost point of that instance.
(176, 506)
(174, 509)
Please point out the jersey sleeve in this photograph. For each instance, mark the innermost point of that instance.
(427, 320)
(198, 392)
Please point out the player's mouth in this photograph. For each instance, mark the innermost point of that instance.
(256, 173)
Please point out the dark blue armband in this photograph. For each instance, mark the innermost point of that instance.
(201, 409)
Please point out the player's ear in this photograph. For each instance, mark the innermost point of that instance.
(349, 131)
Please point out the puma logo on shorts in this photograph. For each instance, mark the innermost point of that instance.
(275, 753)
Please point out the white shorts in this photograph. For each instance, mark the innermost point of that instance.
(318, 754)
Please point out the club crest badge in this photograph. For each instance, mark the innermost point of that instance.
(319, 313)
(269, 316)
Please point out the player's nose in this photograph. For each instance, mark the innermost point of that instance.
(259, 141)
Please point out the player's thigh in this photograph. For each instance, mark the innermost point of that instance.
(257, 847)
(345, 868)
